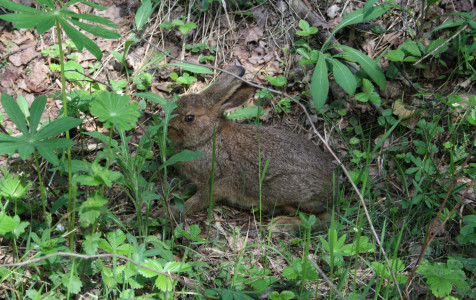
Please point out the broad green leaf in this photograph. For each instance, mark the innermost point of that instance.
(185, 155)
(111, 108)
(191, 68)
(344, 77)
(12, 187)
(143, 14)
(320, 83)
(96, 30)
(14, 112)
(411, 47)
(74, 72)
(370, 67)
(395, 55)
(72, 283)
(57, 126)
(7, 224)
(177, 267)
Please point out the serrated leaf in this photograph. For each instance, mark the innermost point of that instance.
(112, 108)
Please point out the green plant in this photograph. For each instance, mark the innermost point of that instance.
(182, 26)
(468, 231)
(32, 139)
(342, 74)
(184, 79)
(441, 277)
(369, 93)
(66, 20)
(143, 81)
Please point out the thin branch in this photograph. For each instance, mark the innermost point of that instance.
(442, 45)
(309, 258)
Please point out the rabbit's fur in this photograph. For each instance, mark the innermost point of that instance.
(299, 175)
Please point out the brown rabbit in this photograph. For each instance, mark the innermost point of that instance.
(299, 175)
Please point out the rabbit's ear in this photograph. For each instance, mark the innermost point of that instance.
(228, 91)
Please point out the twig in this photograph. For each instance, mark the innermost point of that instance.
(309, 258)
(440, 46)
(339, 162)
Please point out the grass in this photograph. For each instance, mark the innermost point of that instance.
(404, 225)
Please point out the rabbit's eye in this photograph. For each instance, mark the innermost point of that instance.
(189, 118)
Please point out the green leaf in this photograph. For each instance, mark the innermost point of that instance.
(72, 283)
(143, 14)
(18, 7)
(320, 83)
(395, 55)
(91, 243)
(411, 47)
(97, 30)
(57, 126)
(14, 112)
(74, 72)
(290, 273)
(41, 22)
(93, 18)
(93, 5)
(113, 109)
(24, 106)
(362, 16)
(80, 40)
(152, 97)
(185, 155)
(191, 68)
(13, 187)
(344, 77)
(246, 113)
(370, 67)
(7, 224)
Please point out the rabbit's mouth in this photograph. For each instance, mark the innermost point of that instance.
(173, 134)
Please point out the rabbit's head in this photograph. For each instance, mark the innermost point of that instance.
(196, 114)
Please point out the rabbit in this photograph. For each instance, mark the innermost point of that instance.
(299, 174)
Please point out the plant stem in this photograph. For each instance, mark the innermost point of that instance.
(42, 187)
(71, 212)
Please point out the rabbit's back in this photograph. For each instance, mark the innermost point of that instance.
(298, 175)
